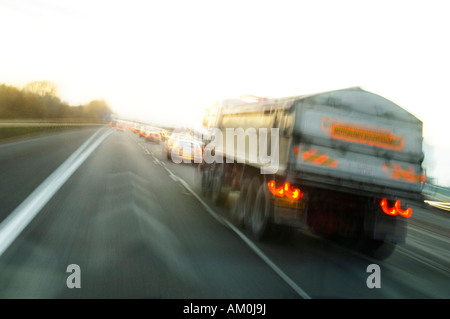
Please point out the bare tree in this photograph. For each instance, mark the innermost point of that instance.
(43, 88)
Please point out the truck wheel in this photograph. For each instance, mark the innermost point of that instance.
(198, 179)
(252, 191)
(260, 216)
(205, 181)
(257, 214)
(217, 188)
(238, 214)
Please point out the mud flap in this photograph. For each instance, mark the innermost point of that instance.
(290, 212)
(380, 226)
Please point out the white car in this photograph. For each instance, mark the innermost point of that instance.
(185, 150)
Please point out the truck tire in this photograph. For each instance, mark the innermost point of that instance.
(218, 195)
(252, 191)
(198, 179)
(257, 213)
(238, 214)
(205, 180)
(261, 214)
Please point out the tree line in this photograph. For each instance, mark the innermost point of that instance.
(39, 100)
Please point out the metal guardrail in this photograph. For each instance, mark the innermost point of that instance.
(16, 129)
(46, 123)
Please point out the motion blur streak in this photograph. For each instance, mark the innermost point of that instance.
(16, 222)
(441, 205)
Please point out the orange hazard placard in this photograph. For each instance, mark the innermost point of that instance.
(357, 133)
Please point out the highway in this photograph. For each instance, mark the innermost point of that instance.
(137, 227)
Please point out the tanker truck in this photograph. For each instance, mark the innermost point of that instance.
(343, 164)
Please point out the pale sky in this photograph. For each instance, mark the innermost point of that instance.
(168, 60)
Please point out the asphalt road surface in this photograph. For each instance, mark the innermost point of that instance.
(133, 224)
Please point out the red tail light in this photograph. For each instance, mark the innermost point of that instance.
(396, 209)
(287, 190)
(405, 213)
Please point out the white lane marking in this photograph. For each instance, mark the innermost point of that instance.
(155, 160)
(15, 223)
(169, 171)
(249, 243)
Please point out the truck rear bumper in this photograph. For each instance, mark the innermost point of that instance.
(355, 188)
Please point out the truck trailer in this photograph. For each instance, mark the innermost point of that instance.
(344, 164)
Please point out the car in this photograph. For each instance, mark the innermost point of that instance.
(143, 131)
(170, 140)
(185, 150)
(168, 145)
(153, 136)
(120, 126)
(135, 128)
